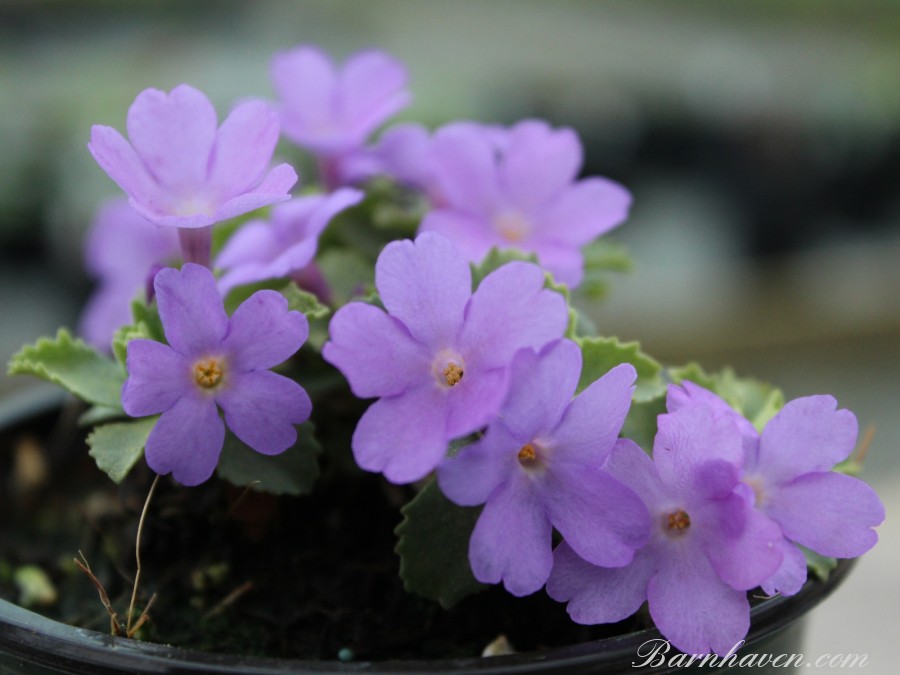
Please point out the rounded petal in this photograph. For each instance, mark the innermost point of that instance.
(541, 386)
(119, 160)
(695, 610)
(465, 168)
(305, 80)
(599, 594)
(471, 235)
(469, 477)
(425, 284)
(261, 408)
(187, 440)
(158, 377)
(808, 434)
(584, 211)
(173, 134)
(403, 436)
(263, 333)
(511, 541)
(539, 162)
(372, 87)
(603, 521)
(244, 146)
(791, 575)
(831, 513)
(633, 467)
(475, 401)
(375, 352)
(511, 310)
(564, 261)
(592, 421)
(191, 309)
(254, 242)
(273, 189)
(687, 394)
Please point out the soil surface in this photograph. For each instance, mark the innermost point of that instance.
(242, 572)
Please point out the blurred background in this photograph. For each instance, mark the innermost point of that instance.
(761, 141)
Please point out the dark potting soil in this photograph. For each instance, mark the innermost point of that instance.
(242, 572)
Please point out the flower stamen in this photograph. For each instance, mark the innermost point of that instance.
(527, 455)
(677, 522)
(453, 373)
(208, 373)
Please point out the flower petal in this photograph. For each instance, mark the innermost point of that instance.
(599, 594)
(603, 521)
(831, 513)
(584, 211)
(539, 163)
(375, 352)
(475, 401)
(511, 310)
(471, 235)
(261, 408)
(474, 473)
(791, 575)
(541, 386)
(157, 377)
(305, 80)
(372, 87)
(263, 333)
(808, 434)
(173, 134)
(243, 149)
(191, 309)
(564, 261)
(593, 419)
(426, 285)
(273, 189)
(693, 608)
(511, 541)
(187, 440)
(403, 436)
(465, 168)
(118, 159)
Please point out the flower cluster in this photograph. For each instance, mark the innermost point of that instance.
(486, 384)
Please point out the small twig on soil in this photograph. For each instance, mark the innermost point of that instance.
(115, 628)
(137, 557)
(241, 497)
(142, 619)
(229, 599)
(859, 455)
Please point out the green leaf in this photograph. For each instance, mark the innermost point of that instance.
(757, 401)
(641, 422)
(820, 565)
(97, 414)
(145, 324)
(304, 302)
(293, 472)
(600, 354)
(602, 258)
(117, 447)
(73, 365)
(349, 274)
(433, 547)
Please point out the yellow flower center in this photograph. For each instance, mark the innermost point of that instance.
(512, 227)
(527, 455)
(453, 373)
(208, 373)
(677, 522)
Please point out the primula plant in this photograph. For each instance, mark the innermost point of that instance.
(436, 275)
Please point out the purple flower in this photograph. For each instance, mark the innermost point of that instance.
(329, 110)
(517, 189)
(788, 477)
(179, 169)
(402, 153)
(286, 245)
(707, 546)
(211, 362)
(121, 251)
(438, 359)
(539, 467)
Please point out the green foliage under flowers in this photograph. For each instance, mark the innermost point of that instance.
(73, 365)
(600, 354)
(118, 446)
(602, 258)
(292, 472)
(433, 545)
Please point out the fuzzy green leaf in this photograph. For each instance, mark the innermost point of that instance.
(820, 565)
(600, 354)
(73, 365)
(601, 258)
(117, 447)
(293, 472)
(433, 547)
(349, 274)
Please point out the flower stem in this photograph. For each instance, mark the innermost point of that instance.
(137, 554)
(196, 245)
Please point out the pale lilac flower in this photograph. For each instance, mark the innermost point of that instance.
(286, 244)
(787, 472)
(539, 467)
(212, 362)
(121, 251)
(438, 359)
(180, 169)
(331, 110)
(707, 546)
(402, 153)
(517, 188)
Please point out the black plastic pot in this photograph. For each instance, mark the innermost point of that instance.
(33, 644)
